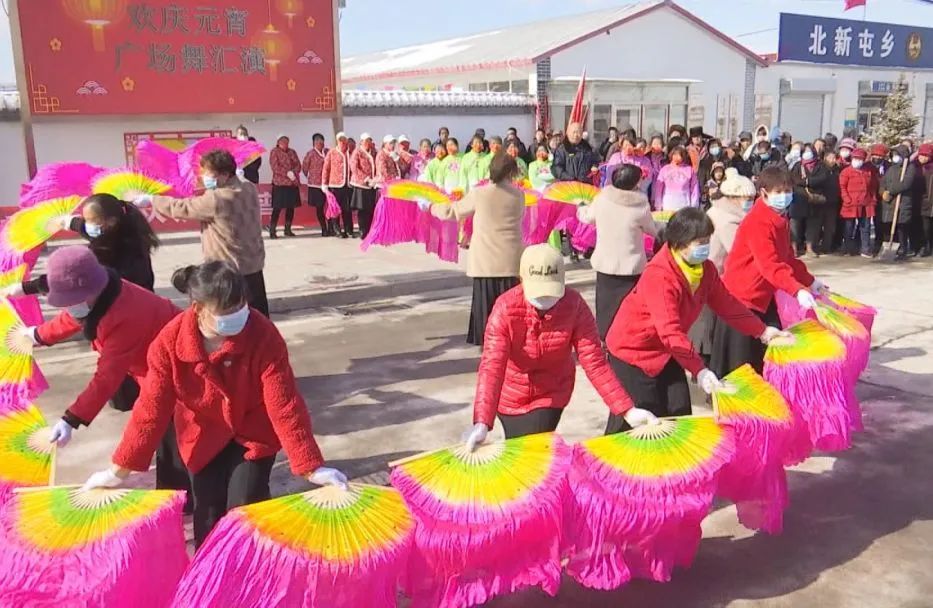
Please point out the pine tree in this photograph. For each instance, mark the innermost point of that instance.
(897, 120)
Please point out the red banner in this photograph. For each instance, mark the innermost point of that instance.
(98, 57)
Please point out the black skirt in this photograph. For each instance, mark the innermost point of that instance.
(541, 420)
(285, 197)
(732, 349)
(486, 290)
(611, 289)
(664, 395)
(316, 197)
(363, 199)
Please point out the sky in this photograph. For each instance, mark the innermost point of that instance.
(369, 25)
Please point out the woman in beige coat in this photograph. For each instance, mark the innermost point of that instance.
(622, 216)
(496, 247)
(736, 196)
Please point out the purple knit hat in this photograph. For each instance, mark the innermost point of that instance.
(74, 276)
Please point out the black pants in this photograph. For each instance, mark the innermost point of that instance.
(542, 420)
(228, 481)
(798, 232)
(289, 218)
(343, 196)
(664, 395)
(256, 284)
(611, 289)
(367, 205)
(171, 473)
(927, 232)
(821, 227)
(318, 200)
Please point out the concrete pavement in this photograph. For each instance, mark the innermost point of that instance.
(388, 376)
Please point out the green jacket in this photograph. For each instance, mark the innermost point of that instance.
(434, 172)
(539, 172)
(474, 168)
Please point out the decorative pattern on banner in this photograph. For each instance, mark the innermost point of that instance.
(101, 57)
(825, 40)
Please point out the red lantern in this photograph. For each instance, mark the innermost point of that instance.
(289, 8)
(97, 14)
(276, 47)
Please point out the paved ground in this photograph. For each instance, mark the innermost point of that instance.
(387, 376)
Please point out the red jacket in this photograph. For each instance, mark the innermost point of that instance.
(283, 161)
(652, 323)
(762, 260)
(313, 166)
(859, 191)
(386, 167)
(124, 332)
(336, 171)
(243, 392)
(528, 362)
(362, 168)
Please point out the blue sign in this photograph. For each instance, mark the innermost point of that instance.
(883, 86)
(862, 43)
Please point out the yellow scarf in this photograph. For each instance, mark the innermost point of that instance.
(693, 274)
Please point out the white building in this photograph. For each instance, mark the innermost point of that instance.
(648, 65)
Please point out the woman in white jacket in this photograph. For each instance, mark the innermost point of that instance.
(622, 216)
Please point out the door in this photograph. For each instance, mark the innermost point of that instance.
(801, 116)
(628, 117)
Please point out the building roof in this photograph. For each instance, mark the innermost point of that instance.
(513, 47)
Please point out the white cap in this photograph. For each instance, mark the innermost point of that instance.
(388, 139)
(402, 138)
(542, 272)
(281, 135)
(365, 136)
(341, 135)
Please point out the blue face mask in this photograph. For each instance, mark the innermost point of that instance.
(210, 182)
(765, 154)
(808, 155)
(779, 201)
(79, 311)
(93, 230)
(715, 151)
(747, 205)
(697, 255)
(232, 324)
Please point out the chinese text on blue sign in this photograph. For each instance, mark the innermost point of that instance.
(863, 43)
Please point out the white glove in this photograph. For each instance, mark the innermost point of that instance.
(291, 175)
(806, 299)
(475, 436)
(13, 291)
(102, 479)
(61, 433)
(819, 287)
(63, 222)
(326, 476)
(324, 189)
(424, 205)
(241, 174)
(637, 417)
(771, 333)
(143, 201)
(708, 381)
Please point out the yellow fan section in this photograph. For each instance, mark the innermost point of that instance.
(746, 394)
(12, 277)
(15, 350)
(25, 450)
(28, 228)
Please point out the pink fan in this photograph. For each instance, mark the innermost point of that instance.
(59, 180)
(183, 169)
(332, 211)
(401, 221)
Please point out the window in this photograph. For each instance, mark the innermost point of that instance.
(500, 86)
(479, 86)
(627, 118)
(520, 86)
(654, 120)
(602, 114)
(678, 115)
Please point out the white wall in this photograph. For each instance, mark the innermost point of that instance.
(768, 82)
(462, 126)
(657, 46)
(12, 162)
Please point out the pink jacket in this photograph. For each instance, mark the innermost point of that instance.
(313, 166)
(640, 161)
(362, 168)
(676, 187)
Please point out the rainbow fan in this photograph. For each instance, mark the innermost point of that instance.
(662, 217)
(12, 277)
(25, 450)
(571, 193)
(809, 371)
(488, 522)
(764, 431)
(126, 185)
(19, 375)
(321, 549)
(28, 228)
(857, 341)
(58, 180)
(638, 499)
(412, 191)
(96, 548)
(864, 313)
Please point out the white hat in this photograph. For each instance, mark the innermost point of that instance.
(365, 136)
(542, 272)
(341, 135)
(281, 135)
(402, 138)
(388, 139)
(737, 185)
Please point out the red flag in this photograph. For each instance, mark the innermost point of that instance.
(578, 112)
(854, 3)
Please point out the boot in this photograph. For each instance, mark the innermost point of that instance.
(272, 232)
(288, 231)
(927, 251)
(811, 252)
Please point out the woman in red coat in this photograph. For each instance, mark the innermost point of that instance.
(648, 344)
(221, 371)
(762, 261)
(527, 372)
(858, 189)
(120, 320)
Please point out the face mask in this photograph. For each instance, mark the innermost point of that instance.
(543, 303)
(93, 230)
(808, 155)
(747, 205)
(779, 201)
(857, 163)
(896, 159)
(242, 137)
(79, 311)
(210, 182)
(232, 324)
(764, 154)
(715, 151)
(845, 153)
(697, 255)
